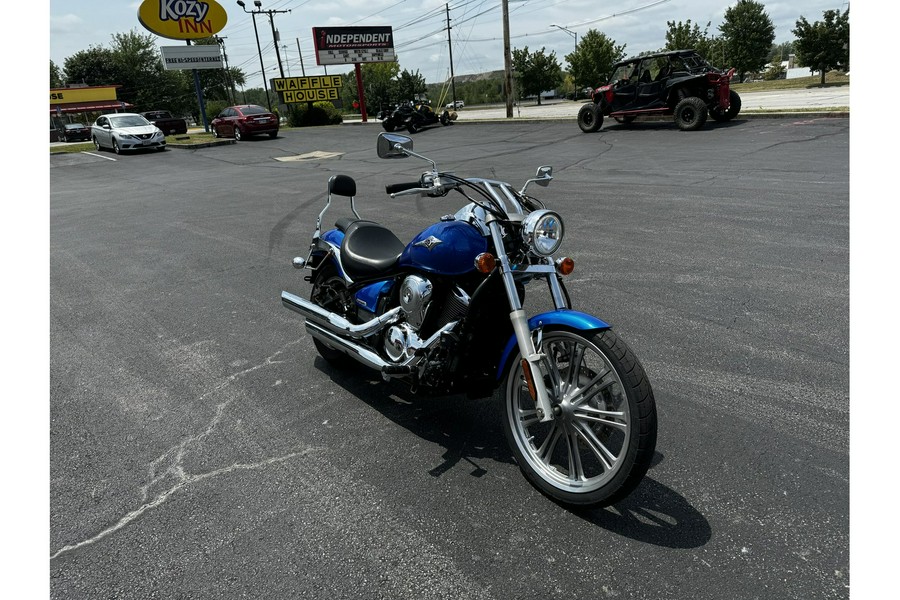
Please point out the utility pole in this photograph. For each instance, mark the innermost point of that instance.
(450, 44)
(507, 61)
(262, 67)
(229, 82)
(300, 54)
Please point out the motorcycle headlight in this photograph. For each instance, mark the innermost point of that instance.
(543, 231)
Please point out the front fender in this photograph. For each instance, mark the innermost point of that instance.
(573, 319)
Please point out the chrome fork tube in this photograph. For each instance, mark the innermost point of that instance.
(520, 327)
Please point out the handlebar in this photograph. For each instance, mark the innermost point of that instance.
(401, 187)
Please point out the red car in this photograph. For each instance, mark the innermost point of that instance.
(243, 121)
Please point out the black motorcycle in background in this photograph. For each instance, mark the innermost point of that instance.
(413, 116)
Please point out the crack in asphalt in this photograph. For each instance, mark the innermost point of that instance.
(173, 457)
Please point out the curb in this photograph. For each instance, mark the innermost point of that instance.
(743, 116)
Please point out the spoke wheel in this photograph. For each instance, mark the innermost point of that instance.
(237, 134)
(97, 144)
(116, 148)
(600, 443)
(330, 292)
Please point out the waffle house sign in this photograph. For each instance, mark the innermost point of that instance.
(182, 19)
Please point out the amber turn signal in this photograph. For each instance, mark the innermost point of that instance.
(565, 265)
(485, 262)
(529, 379)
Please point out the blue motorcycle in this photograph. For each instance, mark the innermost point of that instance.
(444, 313)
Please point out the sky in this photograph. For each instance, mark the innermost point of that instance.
(419, 27)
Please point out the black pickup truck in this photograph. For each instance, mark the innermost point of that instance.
(166, 122)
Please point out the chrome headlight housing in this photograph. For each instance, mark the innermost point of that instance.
(542, 231)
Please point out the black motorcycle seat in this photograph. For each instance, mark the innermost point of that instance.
(344, 222)
(369, 249)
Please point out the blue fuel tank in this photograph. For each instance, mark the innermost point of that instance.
(445, 248)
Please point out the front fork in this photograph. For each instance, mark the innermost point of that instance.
(532, 353)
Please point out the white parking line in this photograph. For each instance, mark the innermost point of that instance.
(98, 156)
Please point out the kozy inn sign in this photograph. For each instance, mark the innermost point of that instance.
(182, 19)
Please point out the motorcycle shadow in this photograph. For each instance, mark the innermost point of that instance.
(653, 514)
(471, 431)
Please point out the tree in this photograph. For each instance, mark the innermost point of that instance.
(219, 84)
(824, 45)
(379, 85)
(592, 61)
(56, 77)
(686, 36)
(537, 71)
(409, 85)
(780, 52)
(748, 33)
(94, 66)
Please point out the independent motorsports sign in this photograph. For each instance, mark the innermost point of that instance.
(349, 45)
(308, 89)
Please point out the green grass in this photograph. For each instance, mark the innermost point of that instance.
(191, 139)
(832, 79)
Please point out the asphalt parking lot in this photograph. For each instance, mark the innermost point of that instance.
(201, 449)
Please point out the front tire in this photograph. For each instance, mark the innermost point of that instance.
(590, 118)
(690, 114)
(599, 445)
(116, 148)
(413, 127)
(734, 107)
(237, 134)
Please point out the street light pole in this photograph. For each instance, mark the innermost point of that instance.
(573, 33)
(507, 62)
(262, 67)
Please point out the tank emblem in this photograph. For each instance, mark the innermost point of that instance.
(429, 243)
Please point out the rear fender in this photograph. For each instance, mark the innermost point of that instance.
(570, 319)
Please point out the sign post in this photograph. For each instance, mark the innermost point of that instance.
(184, 20)
(354, 45)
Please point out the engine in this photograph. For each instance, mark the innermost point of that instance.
(415, 297)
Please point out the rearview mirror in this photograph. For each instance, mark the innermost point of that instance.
(543, 176)
(392, 145)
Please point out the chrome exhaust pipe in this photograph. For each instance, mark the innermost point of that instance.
(363, 355)
(334, 323)
(369, 358)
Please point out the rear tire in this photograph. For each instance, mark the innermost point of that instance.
(590, 118)
(97, 144)
(330, 292)
(690, 114)
(599, 446)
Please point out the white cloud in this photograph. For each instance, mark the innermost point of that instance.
(65, 24)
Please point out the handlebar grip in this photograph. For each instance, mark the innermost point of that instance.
(401, 187)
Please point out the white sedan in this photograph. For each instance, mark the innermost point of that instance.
(126, 131)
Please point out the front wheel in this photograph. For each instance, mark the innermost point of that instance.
(600, 443)
(590, 118)
(734, 107)
(237, 134)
